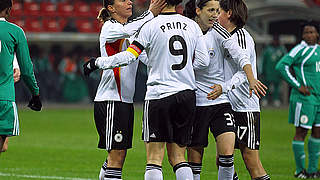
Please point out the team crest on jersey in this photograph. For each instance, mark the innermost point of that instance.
(211, 53)
(304, 119)
(118, 137)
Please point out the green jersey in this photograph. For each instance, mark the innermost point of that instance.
(12, 39)
(271, 56)
(305, 61)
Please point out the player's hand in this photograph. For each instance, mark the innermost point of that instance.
(215, 93)
(16, 75)
(305, 90)
(89, 66)
(156, 6)
(258, 87)
(35, 103)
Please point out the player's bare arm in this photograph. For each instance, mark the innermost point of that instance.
(254, 85)
(16, 75)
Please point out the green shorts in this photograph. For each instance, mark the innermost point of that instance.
(304, 115)
(9, 123)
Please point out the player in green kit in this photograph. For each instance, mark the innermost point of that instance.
(304, 108)
(270, 57)
(13, 40)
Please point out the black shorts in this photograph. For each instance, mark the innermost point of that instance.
(169, 119)
(114, 123)
(248, 129)
(219, 118)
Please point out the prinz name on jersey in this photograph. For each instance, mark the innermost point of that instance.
(173, 25)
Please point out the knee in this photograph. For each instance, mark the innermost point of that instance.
(116, 158)
(315, 133)
(195, 154)
(4, 148)
(300, 135)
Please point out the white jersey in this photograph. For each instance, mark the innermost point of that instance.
(172, 42)
(118, 84)
(237, 85)
(219, 45)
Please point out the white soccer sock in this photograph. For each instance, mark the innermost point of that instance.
(196, 170)
(103, 170)
(153, 172)
(226, 167)
(183, 171)
(196, 176)
(113, 174)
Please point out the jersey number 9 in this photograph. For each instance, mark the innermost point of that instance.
(178, 52)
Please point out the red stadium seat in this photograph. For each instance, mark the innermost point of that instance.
(51, 25)
(17, 21)
(48, 9)
(97, 25)
(33, 25)
(62, 22)
(84, 26)
(65, 9)
(17, 9)
(31, 9)
(95, 8)
(82, 9)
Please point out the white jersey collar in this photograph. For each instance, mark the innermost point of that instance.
(2, 19)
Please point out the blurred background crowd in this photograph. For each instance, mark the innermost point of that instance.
(63, 34)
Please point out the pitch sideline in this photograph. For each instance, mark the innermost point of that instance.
(41, 177)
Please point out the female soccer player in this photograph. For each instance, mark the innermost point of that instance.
(13, 40)
(304, 107)
(215, 114)
(113, 104)
(172, 42)
(233, 16)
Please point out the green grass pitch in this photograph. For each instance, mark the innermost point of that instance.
(61, 143)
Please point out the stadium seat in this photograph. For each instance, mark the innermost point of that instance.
(84, 26)
(95, 8)
(51, 25)
(65, 9)
(48, 9)
(17, 9)
(96, 25)
(31, 8)
(18, 21)
(32, 25)
(62, 22)
(82, 9)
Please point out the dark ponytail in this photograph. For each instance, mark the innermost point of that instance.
(104, 14)
(190, 7)
(4, 4)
